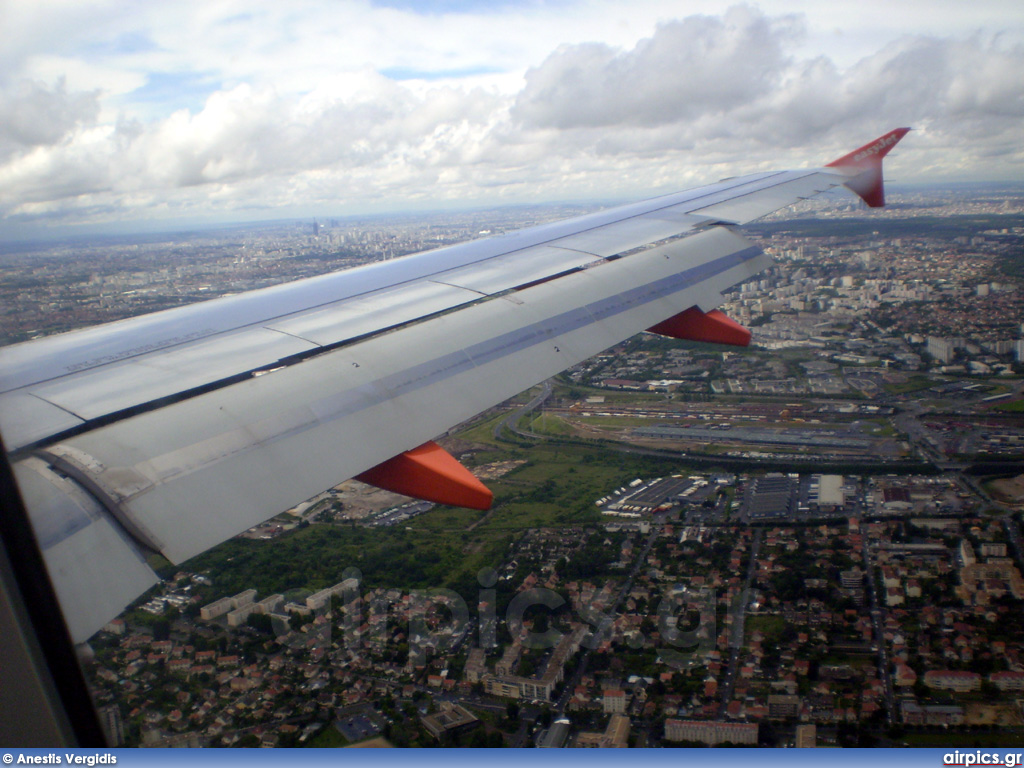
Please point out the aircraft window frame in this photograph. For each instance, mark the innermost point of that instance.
(51, 655)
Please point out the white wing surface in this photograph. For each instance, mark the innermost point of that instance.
(156, 434)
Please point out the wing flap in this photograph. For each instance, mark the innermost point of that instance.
(95, 569)
(100, 391)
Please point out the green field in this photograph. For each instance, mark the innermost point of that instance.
(445, 547)
(769, 626)
(915, 384)
(546, 424)
(1015, 406)
(483, 431)
(879, 428)
(329, 737)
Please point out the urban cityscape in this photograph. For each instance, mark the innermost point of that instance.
(811, 541)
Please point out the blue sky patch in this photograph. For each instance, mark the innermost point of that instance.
(125, 44)
(439, 7)
(408, 73)
(175, 90)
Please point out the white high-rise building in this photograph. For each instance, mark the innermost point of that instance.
(941, 349)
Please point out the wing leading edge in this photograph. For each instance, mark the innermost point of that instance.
(162, 434)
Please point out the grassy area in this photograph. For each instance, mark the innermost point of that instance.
(915, 384)
(483, 431)
(1014, 406)
(611, 396)
(547, 424)
(329, 737)
(522, 516)
(446, 519)
(556, 487)
(769, 626)
(445, 547)
(317, 557)
(879, 428)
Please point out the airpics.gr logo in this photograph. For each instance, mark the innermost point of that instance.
(977, 757)
(438, 621)
(877, 147)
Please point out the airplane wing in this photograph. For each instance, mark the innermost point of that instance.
(172, 432)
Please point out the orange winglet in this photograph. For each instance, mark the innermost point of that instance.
(715, 327)
(432, 474)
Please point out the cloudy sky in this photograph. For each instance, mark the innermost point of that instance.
(122, 112)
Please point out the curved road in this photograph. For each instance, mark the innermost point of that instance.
(510, 421)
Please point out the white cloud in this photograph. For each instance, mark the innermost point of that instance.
(736, 90)
(258, 116)
(34, 114)
(687, 69)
